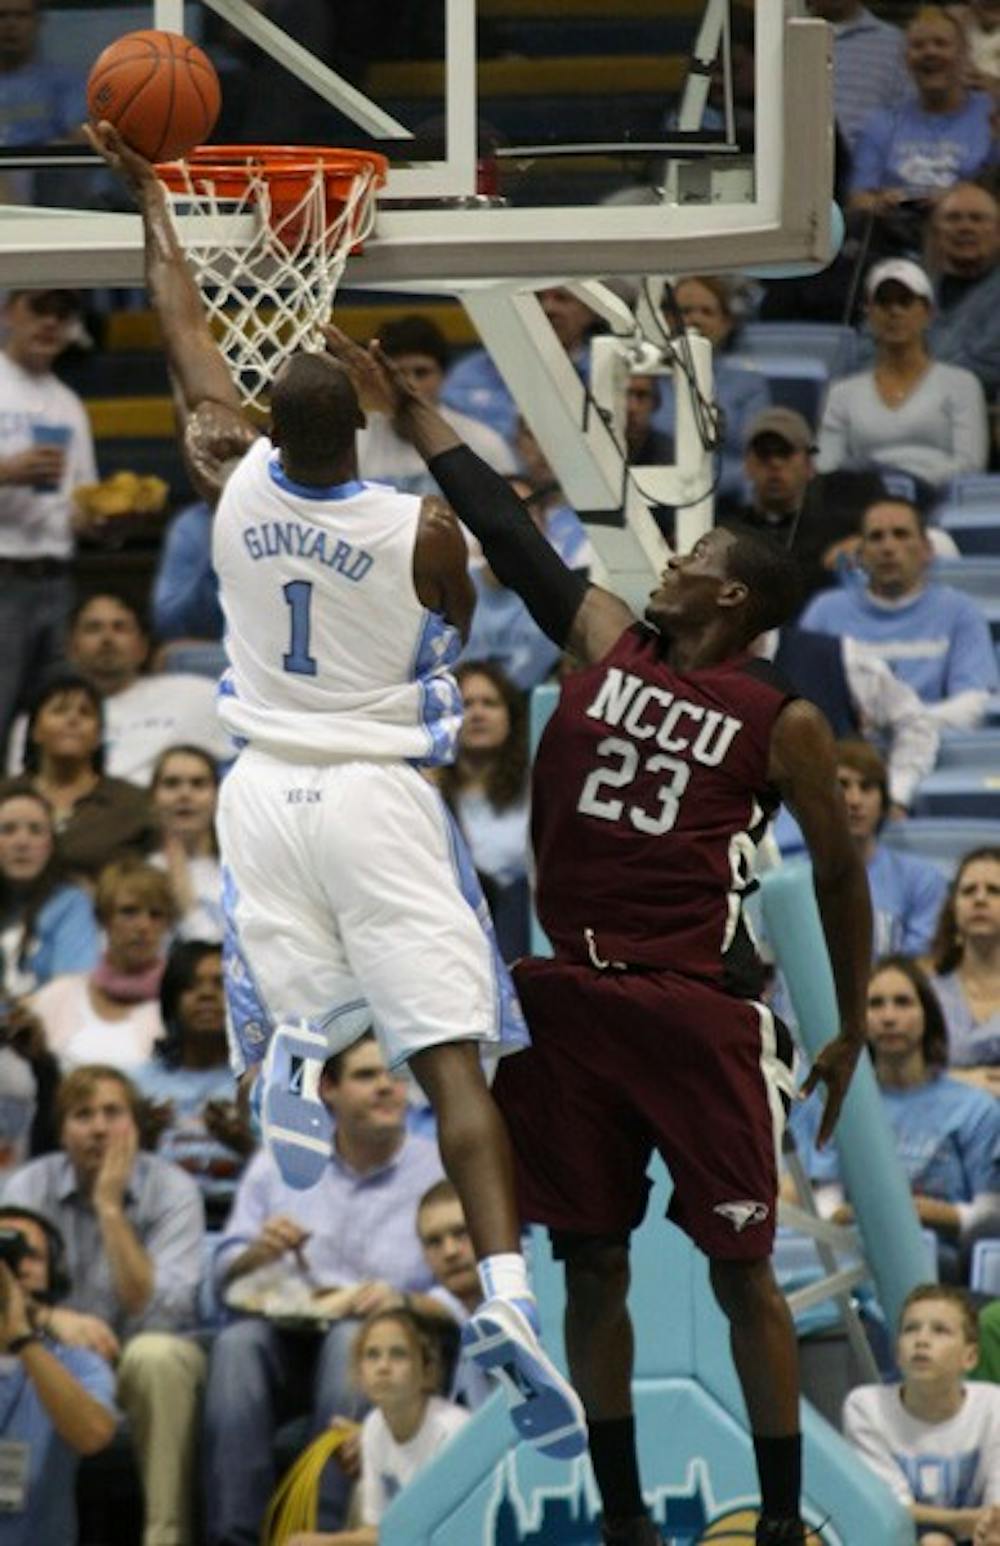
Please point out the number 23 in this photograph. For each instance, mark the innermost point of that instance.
(591, 802)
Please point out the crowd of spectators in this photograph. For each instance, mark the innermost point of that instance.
(173, 1297)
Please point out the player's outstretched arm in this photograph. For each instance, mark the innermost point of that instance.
(194, 358)
(573, 613)
(803, 767)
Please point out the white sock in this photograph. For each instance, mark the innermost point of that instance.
(505, 1276)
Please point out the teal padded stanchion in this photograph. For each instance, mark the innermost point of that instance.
(874, 1177)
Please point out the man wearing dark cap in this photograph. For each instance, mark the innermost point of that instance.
(46, 450)
(813, 513)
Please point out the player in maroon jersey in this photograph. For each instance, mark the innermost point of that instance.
(668, 752)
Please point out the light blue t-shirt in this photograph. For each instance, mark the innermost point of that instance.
(187, 1141)
(905, 147)
(40, 102)
(65, 938)
(947, 1138)
(50, 1516)
(938, 642)
(971, 1043)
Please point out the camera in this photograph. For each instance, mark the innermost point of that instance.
(14, 1246)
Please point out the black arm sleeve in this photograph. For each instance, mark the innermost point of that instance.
(515, 549)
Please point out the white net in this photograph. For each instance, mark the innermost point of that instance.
(268, 275)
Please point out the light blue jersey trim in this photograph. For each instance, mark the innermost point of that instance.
(507, 1012)
(249, 1023)
(327, 492)
(437, 648)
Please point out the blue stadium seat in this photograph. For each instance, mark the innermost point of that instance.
(984, 1273)
(976, 575)
(975, 528)
(941, 839)
(992, 715)
(829, 344)
(976, 488)
(979, 749)
(959, 792)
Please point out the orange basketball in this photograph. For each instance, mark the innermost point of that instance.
(159, 90)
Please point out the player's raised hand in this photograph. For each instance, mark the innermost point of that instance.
(132, 168)
(378, 381)
(834, 1065)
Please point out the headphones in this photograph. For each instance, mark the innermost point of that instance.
(59, 1278)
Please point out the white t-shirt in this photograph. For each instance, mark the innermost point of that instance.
(954, 1464)
(36, 524)
(157, 712)
(387, 1466)
(77, 1034)
(386, 457)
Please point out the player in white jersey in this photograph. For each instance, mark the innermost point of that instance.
(349, 895)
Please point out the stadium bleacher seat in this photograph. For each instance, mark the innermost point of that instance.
(799, 359)
(977, 576)
(970, 749)
(941, 839)
(984, 1273)
(975, 528)
(959, 792)
(976, 488)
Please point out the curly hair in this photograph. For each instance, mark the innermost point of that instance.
(947, 948)
(508, 773)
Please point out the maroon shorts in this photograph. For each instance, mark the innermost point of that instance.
(623, 1063)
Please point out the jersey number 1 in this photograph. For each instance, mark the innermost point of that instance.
(298, 594)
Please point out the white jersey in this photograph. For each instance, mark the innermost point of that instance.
(331, 653)
(953, 1464)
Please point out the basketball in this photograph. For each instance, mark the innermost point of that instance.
(159, 90)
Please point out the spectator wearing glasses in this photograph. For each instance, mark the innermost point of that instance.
(46, 449)
(420, 350)
(907, 412)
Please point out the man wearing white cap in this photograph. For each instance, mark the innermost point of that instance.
(908, 411)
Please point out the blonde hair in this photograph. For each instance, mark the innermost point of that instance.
(149, 885)
(425, 1352)
(78, 1087)
(947, 1293)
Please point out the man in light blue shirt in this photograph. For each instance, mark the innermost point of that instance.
(356, 1227)
(39, 102)
(869, 69)
(934, 637)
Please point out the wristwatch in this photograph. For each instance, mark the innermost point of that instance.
(18, 1344)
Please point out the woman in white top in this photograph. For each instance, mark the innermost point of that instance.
(185, 791)
(907, 411)
(112, 1013)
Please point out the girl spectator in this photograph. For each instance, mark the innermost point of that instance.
(188, 1079)
(907, 411)
(947, 1135)
(46, 926)
(111, 1014)
(486, 789)
(95, 816)
(396, 1371)
(965, 956)
(184, 791)
(711, 305)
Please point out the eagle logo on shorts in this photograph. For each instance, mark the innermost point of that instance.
(740, 1214)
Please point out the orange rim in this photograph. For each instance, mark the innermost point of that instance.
(287, 168)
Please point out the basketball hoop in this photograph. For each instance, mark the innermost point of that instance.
(309, 208)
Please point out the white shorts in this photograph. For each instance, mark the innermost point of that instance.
(350, 901)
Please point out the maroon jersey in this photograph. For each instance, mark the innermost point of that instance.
(649, 795)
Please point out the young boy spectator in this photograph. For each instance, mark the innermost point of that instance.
(933, 1438)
